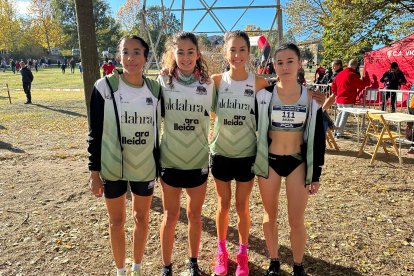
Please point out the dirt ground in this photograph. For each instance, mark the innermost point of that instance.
(360, 223)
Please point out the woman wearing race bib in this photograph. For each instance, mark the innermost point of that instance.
(187, 101)
(123, 147)
(233, 146)
(291, 144)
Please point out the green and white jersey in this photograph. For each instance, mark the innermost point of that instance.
(184, 142)
(136, 111)
(235, 124)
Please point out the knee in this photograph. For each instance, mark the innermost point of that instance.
(141, 217)
(116, 223)
(242, 207)
(269, 217)
(296, 223)
(170, 218)
(223, 205)
(194, 217)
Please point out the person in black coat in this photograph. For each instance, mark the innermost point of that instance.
(27, 79)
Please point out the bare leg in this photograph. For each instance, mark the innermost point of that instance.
(195, 200)
(243, 190)
(140, 211)
(223, 190)
(117, 213)
(269, 191)
(297, 196)
(171, 205)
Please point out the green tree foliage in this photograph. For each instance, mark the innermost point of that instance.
(349, 27)
(107, 30)
(10, 27)
(155, 24)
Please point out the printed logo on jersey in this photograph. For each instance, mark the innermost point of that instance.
(140, 138)
(248, 85)
(189, 125)
(201, 90)
(134, 118)
(236, 121)
(248, 93)
(233, 104)
(183, 105)
(149, 101)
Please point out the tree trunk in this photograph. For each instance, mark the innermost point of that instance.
(87, 43)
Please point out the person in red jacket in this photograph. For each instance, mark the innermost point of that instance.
(108, 68)
(344, 91)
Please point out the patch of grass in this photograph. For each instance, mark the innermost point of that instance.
(47, 78)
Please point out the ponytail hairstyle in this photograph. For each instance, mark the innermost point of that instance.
(170, 64)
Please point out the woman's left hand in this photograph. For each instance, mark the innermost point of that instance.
(313, 188)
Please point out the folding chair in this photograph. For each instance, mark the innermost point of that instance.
(379, 129)
(330, 139)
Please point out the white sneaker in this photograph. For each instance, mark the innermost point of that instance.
(136, 272)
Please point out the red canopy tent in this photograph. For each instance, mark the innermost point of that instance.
(378, 61)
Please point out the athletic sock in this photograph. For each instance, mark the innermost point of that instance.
(135, 266)
(221, 246)
(121, 271)
(243, 248)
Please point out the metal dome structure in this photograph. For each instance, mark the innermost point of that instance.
(182, 9)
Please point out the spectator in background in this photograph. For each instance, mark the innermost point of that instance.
(301, 76)
(80, 68)
(319, 73)
(108, 68)
(27, 79)
(327, 77)
(63, 67)
(18, 66)
(13, 66)
(344, 91)
(336, 69)
(72, 64)
(3, 65)
(392, 79)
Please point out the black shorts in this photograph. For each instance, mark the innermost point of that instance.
(284, 165)
(227, 169)
(114, 189)
(184, 178)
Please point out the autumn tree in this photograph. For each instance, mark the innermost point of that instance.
(45, 27)
(9, 26)
(349, 27)
(127, 14)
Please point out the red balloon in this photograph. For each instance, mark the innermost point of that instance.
(261, 42)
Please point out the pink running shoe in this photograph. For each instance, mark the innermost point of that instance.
(221, 263)
(242, 265)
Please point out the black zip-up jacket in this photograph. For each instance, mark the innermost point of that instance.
(27, 75)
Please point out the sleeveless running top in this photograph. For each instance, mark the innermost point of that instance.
(288, 117)
(136, 111)
(184, 142)
(235, 124)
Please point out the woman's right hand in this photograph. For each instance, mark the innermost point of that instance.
(96, 184)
